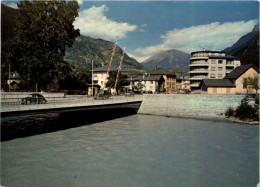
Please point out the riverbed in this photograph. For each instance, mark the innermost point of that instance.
(137, 150)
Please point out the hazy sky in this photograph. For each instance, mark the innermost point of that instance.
(147, 27)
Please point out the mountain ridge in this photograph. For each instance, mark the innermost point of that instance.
(169, 59)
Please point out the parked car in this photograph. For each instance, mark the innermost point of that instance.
(103, 94)
(34, 98)
(149, 92)
(129, 93)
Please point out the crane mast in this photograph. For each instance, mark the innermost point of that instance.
(119, 68)
(109, 65)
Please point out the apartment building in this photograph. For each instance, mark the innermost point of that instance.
(99, 74)
(210, 65)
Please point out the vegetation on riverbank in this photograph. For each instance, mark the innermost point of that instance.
(246, 112)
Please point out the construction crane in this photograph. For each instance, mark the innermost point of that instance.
(119, 68)
(109, 65)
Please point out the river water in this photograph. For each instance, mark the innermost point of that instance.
(137, 150)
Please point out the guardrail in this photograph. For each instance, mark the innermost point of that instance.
(14, 104)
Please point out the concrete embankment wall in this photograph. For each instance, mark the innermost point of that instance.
(195, 106)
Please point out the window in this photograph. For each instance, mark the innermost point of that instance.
(213, 68)
(220, 75)
(220, 61)
(212, 76)
(151, 82)
(220, 68)
(213, 61)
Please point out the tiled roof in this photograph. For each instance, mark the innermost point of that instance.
(218, 83)
(112, 68)
(148, 78)
(238, 71)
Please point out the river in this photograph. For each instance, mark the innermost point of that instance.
(137, 150)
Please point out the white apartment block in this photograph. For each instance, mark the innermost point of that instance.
(99, 74)
(210, 65)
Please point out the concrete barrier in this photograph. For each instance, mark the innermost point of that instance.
(195, 106)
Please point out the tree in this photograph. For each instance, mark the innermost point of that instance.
(44, 30)
(253, 82)
(138, 87)
(121, 82)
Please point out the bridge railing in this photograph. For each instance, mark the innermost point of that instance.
(15, 104)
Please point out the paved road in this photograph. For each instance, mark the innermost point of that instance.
(70, 101)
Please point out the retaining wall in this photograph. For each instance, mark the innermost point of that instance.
(196, 106)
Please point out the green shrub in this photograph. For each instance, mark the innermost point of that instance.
(229, 112)
(244, 110)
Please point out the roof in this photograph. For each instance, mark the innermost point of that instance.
(112, 68)
(218, 83)
(148, 78)
(238, 71)
(160, 71)
(206, 51)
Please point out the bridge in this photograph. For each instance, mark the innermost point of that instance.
(60, 113)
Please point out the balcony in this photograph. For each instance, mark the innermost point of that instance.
(202, 70)
(199, 63)
(194, 85)
(230, 64)
(198, 77)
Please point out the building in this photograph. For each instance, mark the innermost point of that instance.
(99, 74)
(149, 82)
(236, 82)
(210, 65)
(168, 76)
(14, 80)
(239, 77)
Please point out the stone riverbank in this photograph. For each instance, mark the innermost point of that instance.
(189, 106)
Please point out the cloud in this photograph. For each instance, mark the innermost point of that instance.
(80, 2)
(213, 36)
(138, 58)
(13, 5)
(92, 22)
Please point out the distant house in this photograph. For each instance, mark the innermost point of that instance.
(170, 83)
(239, 77)
(233, 83)
(14, 80)
(150, 82)
(218, 86)
(99, 74)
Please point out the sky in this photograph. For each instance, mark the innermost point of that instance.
(148, 27)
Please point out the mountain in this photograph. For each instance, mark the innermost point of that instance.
(8, 21)
(169, 59)
(243, 43)
(85, 49)
(246, 49)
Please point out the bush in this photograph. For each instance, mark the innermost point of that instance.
(229, 112)
(244, 110)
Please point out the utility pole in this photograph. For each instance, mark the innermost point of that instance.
(9, 76)
(92, 78)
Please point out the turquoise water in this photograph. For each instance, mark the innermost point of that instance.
(138, 150)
